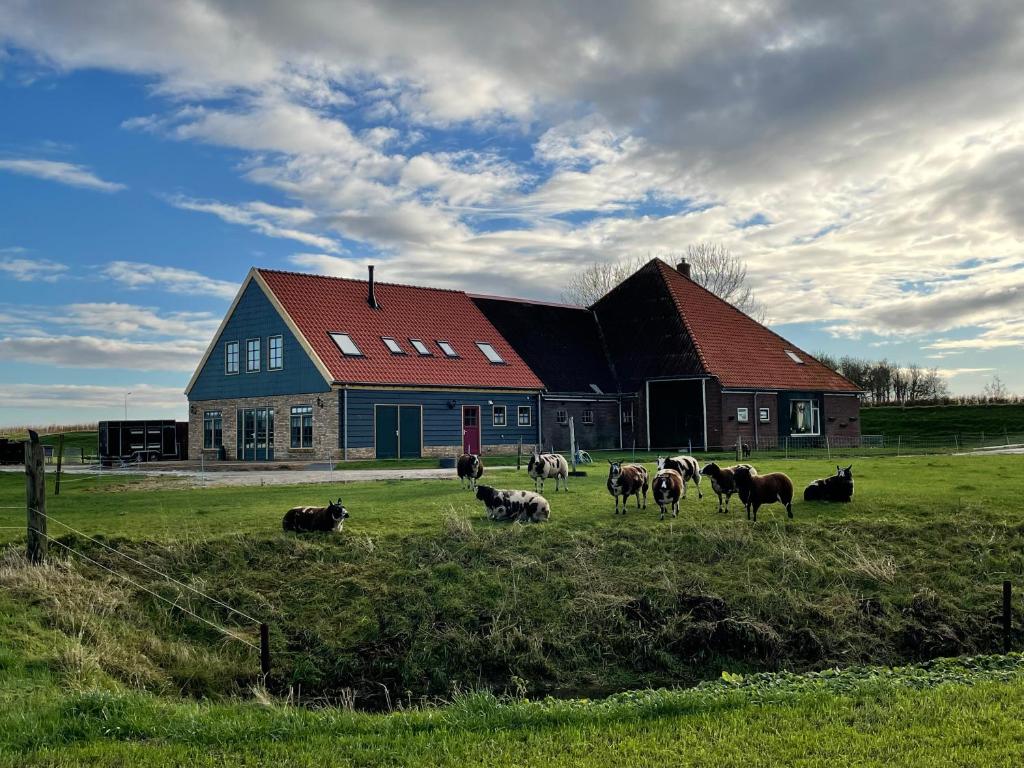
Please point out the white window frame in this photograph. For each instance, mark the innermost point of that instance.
(794, 356)
(227, 358)
(815, 417)
(421, 349)
(561, 416)
(259, 355)
(587, 412)
(441, 344)
(490, 353)
(396, 349)
(270, 353)
(529, 416)
(504, 416)
(764, 414)
(743, 415)
(627, 415)
(335, 335)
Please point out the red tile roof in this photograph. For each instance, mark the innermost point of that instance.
(319, 305)
(738, 350)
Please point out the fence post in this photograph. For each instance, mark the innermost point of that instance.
(1007, 616)
(828, 448)
(739, 450)
(519, 454)
(35, 499)
(60, 460)
(264, 648)
(956, 442)
(899, 444)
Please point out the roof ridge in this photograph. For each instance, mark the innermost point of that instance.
(494, 297)
(265, 270)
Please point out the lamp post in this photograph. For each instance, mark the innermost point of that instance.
(127, 395)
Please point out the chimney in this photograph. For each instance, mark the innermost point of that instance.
(371, 296)
(683, 267)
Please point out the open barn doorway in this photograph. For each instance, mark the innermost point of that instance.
(676, 410)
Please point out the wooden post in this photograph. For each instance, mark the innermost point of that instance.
(739, 450)
(35, 499)
(60, 460)
(828, 448)
(519, 454)
(264, 648)
(1007, 615)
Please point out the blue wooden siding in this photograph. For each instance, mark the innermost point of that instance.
(255, 317)
(441, 425)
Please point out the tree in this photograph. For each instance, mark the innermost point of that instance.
(712, 265)
(995, 390)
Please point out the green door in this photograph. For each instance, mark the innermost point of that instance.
(409, 431)
(387, 431)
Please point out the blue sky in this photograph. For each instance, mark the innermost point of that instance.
(869, 173)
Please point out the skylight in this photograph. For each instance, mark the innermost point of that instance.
(596, 389)
(794, 357)
(392, 345)
(345, 344)
(489, 352)
(448, 349)
(419, 346)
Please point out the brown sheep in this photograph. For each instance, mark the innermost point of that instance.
(755, 490)
(723, 481)
(667, 488)
(469, 469)
(627, 480)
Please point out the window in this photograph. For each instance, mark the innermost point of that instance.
(525, 415)
(794, 357)
(213, 428)
(627, 415)
(764, 415)
(448, 349)
(489, 352)
(393, 346)
(742, 415)
(596, 389)
(588, 416)
(498, 416)
(804, 417)
(561, 416)
(275, 353)
(302, 426)
(420, 347)
(252, 355)
(231, 357)
(345, 344)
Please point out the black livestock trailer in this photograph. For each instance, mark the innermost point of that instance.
(12, 451)
(122, 442)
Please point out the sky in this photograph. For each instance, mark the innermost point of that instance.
(865, 159)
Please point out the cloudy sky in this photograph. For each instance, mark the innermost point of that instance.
(867, 159)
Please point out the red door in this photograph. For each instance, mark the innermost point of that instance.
(471, 429)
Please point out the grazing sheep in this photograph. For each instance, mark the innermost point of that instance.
(755, 490)
(518, 506)
(667, 487)
(627, 480)
(687, 466)
(838, 487)
(723, 480)
(746, 450)
(310, 519)
(544, 465)
(470, 469)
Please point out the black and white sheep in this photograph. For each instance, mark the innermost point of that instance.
(838, 487)
(543, 465)
(310, 519)
(518, 506)
(470, 469)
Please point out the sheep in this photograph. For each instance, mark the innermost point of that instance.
(544, 465)
(310, 519)
(627, 480)
(746, 450)
(667, 486)
(518, 506)
(756, 490)
(687, 466)
(469, 469)
(723, 481)
(838, 487)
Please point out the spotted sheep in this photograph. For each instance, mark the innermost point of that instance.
(838, 487)
(756, 490)
(688, 468)
(469, 469)
(627, 480)
(310, 519)
(667, 487)
(544, 465)
(518, 506)
(723, 480)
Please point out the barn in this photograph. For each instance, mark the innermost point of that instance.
(316, 367)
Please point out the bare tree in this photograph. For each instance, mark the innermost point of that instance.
(711, 265)
(995, 390)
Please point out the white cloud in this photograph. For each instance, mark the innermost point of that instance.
(144, 396)
(134, 274)
(63, 173)
(29, 270)
(66, 351)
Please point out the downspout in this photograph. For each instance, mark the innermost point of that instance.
(620, 423)
(540, 420)
(704, 400)
(647, 411)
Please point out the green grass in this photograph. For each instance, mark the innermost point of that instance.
(943, 420)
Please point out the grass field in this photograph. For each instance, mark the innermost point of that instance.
(943, 420)
(421, 598)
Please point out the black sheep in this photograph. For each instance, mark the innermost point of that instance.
(310, 519)
(838, 487)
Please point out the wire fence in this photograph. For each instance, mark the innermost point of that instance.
(885, 445)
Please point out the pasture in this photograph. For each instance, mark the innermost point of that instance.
(421, 599)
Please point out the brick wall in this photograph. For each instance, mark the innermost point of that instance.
(603, 433)
(842, 417)
(767, 433)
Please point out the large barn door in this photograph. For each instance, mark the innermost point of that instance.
(386, 430)
(676, 410)
(409, 432)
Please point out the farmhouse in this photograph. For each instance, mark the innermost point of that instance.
(307, 366)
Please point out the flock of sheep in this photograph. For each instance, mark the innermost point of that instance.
(624, 480)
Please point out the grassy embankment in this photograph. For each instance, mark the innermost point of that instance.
(943, 420)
